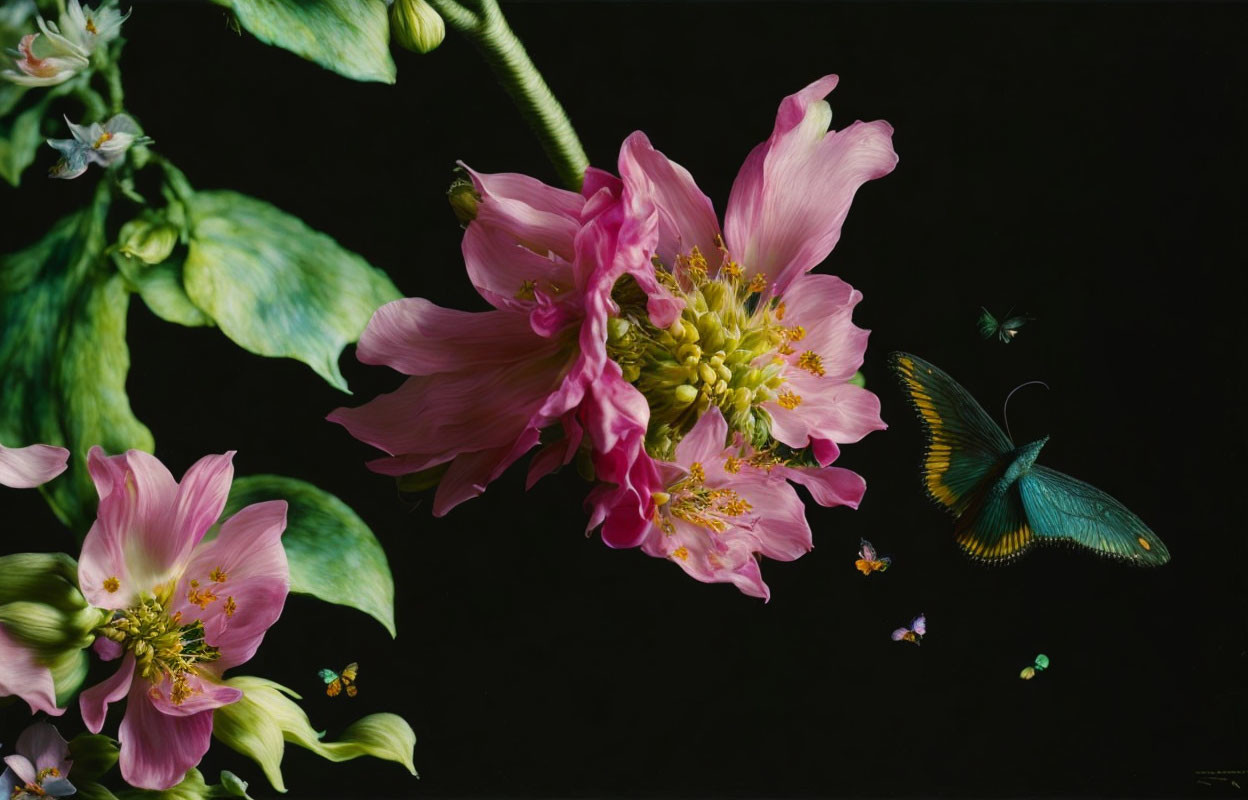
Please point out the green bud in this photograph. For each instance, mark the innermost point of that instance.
(148, 238)
(858, 379)
(617, 329)
(260, 724)
(463, 197)
(686, 394)
(50, 578)
(69, 670)
(93, 755)
(236, 786)
(48, 630)
(416, 25)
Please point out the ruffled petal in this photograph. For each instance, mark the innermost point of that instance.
(557, 453)
(686, 218)
(94, 702)
(157, 749)
(794, 191)
(722, 558)
(470, 473)
(823, 306)
(23, 676)
(777, 519)
(538, 217)
(242, 581)
(416, 337)
(133, 541)
(27, 467)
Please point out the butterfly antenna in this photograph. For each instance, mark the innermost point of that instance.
(1005, 410)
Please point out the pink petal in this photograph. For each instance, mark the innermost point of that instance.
(829, 486)
(823, 306)
(794, 191)
(470, 473)
(825, 451)
(686, 217)
(133, 539)
(711, 558)
(778, 517)
(23, 676)
(841, 412)
(249, 554)
(538, 217)
(705, 440)
(417, 337)
(157, 749)
(23, 768)
(27, 467)
(500, 266)
(45, 747)
(107, 649)
(201, 499)
(94, 702)
(557, 453)
(206, 694)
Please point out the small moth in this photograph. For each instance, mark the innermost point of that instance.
(336, 682)
(868, 561)
(1005, 330)
(1029, 672)
(915, 633)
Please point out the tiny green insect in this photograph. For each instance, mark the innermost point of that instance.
(1004, 330)
(1042, 662)
(1029, 672)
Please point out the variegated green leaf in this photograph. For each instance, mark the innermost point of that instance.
(351, 37)
(275, 286)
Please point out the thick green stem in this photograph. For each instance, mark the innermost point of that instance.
(488, 30)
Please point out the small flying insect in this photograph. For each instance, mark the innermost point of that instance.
(868, 561)
(1029, 672)
(915, 633)
(336, 682)
(1005, 330)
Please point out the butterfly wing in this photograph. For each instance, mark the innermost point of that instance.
(994, 528)
(964, 445)
(900, 634)
(1062, 508)
(349, 672)
(865, 551)
(327, 675)
(919, 625)
(863, 566)
(334, 687)
(987, 324)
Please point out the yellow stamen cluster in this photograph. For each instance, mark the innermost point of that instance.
(111, 584)
(689, 499)
(811, 362)
(162, 645)
(104, 137)
(787, 399)
(726, 349)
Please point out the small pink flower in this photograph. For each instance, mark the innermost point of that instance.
(715, 507)
(27, 467)
(484, 384)
(185, 610)
(40, 767)
(771, 347)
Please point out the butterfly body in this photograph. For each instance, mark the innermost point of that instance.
(868, 560)
(1005, 502)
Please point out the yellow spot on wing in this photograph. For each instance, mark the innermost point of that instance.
(1144, 543)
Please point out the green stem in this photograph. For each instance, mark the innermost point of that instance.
(488, 30)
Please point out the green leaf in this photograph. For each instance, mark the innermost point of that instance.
(160, 286)
(333, 554)
(92, 791)
(275, 286)
(63, 355)
(93, 755)
(259, 725)
(351, 37)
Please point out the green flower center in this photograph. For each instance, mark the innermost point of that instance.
(715, 354)
(163, 646)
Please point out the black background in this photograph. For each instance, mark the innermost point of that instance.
(1080, 162)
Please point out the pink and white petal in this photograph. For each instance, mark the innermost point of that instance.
(107, 649)
(45, 747)
(23, 768)
(686, 217)
(206, 694)
(536, 216)
(157, 749)
(471, 473)
(829, 486)
(21, 675)
(842, 412)
(200, 501)
(823, 306)
(93, 703)
(416, 337)
(705, 441)
(28, 467)
(137, 542)
(794, 191)
(250, 556)
(778, 516)
(718, 558)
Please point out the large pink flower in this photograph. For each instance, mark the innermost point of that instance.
(715, 507)
(770, 346)
(484, 384)
(27, 467)
(185, 610)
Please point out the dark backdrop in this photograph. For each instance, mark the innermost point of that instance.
(1080, 162)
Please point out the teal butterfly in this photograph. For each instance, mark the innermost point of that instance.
(1005, 502)
(1005, 330)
